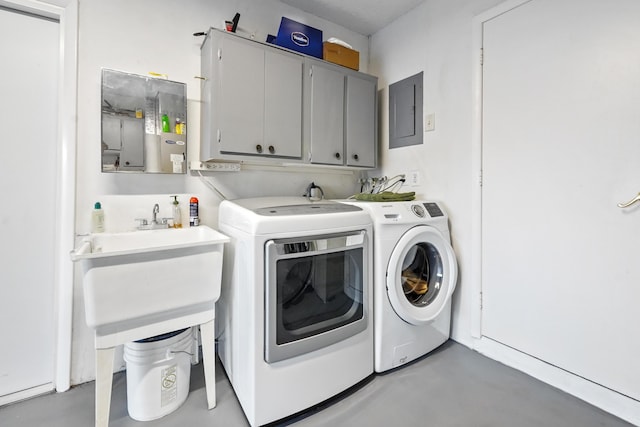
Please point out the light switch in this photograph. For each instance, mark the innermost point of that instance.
(429, 122)
(414, 178)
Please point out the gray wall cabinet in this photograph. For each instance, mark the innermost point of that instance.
(265, 104)
(252, 99)
(342, 121)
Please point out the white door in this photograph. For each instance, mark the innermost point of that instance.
(561, 147)
(28, 119)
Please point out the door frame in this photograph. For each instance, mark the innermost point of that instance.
(66, 12)
(599, 396)
(476, 158)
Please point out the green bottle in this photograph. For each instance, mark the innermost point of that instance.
(166, 127)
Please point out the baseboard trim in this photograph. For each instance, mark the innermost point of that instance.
(26, 394)
(601, 397)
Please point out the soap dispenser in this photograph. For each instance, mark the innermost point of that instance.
(177, 214)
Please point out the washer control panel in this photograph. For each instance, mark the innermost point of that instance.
(418, 210)
(433, 209)
(405, 212)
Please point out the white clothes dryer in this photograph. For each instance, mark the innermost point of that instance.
(415, 273)
(294, 314)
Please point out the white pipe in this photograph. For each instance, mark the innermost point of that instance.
(66, 192)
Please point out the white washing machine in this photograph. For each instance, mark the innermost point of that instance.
(415, 273)
(294, 317)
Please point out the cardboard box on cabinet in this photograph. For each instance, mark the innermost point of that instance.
(341, 55)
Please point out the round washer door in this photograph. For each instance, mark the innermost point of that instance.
(421, 275)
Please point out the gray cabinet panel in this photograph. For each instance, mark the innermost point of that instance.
(241, 112)
(132, 133)
(208, 85)
(122, 136)
(360, 123)
(111, 132)
(327, 115)
(283, 105)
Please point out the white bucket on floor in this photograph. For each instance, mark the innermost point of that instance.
(158, 374)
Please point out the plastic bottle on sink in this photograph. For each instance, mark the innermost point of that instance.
(97, 219)
(177, 214)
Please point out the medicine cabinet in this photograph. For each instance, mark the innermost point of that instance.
(144, 124)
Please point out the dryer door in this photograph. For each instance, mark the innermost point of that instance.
(421, 275)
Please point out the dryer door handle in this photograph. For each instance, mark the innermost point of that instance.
(630, 202)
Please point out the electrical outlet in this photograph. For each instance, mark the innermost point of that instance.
(215, 166)
(429, 122)
(414, 178)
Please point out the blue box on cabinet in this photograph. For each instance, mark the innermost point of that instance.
(300, 37)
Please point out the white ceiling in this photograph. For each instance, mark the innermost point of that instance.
(362, 16)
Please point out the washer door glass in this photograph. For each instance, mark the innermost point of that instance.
(421, 275)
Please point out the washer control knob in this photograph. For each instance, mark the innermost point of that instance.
(418, 210)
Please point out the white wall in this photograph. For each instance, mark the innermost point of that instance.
(436, 38)
(156, 35)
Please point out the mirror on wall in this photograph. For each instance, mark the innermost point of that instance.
(144, 127)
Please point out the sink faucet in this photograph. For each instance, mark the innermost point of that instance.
(154, 218)
(154, 224)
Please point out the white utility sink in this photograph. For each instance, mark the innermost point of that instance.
(144, 283)
(138, 275)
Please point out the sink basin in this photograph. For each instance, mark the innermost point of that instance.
(140, 277)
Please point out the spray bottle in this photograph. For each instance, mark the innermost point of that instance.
(193, 212)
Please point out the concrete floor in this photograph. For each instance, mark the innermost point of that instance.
(452, 386)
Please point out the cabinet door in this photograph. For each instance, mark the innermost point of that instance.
(241, 89)
(360, 122)
(327, 115)
(132, 142)
(283, 105)
(111, 132)
(208, 84)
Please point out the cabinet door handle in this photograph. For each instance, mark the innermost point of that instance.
(271, 149)
(355, 157)
(259, 148)
(337, 155)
